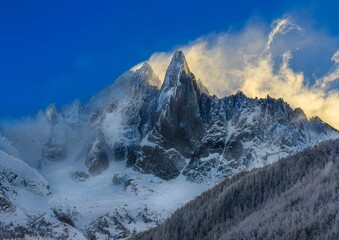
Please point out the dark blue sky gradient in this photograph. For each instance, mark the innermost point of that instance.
(58, 51)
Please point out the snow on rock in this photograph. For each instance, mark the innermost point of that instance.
(24, 211)
(177, 67)
(19, 174)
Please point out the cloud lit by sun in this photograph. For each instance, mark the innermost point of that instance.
(250, 61)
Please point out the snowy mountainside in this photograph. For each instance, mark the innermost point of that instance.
(127, 159)
(68, 203)
(24, 196)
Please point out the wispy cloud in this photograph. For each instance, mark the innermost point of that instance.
(280, 26)
(258, 62)
(333, 74)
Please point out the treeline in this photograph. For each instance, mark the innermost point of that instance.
(294, 198)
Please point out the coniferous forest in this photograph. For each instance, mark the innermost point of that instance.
(294, 198)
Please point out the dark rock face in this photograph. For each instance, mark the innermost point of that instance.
(165, 164)
(62, 217)
(98, 163)
(5, 203)
(119, 151)
(79, 176)
(180, 120)
(97, 159)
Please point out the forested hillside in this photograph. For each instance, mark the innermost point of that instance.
(294, 198)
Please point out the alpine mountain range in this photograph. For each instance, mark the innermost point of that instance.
(137, 151)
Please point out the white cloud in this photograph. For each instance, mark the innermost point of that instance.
(257, 62)
(280, 26)
(335, 57)
(333, 75)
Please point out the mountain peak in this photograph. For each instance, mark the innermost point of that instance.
(179, 57)
(144, 72)
(147, 74)
(177, 66)
(179, 61)
(145, 68)
(51, 113)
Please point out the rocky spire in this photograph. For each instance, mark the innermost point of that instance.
(177, 68)
(178, 106)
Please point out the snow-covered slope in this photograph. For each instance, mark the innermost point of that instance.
(68, 203)
(124, 161)
(24, 209)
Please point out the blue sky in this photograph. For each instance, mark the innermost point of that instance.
(58, 51)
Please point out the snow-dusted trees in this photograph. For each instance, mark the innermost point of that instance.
(295, 198)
